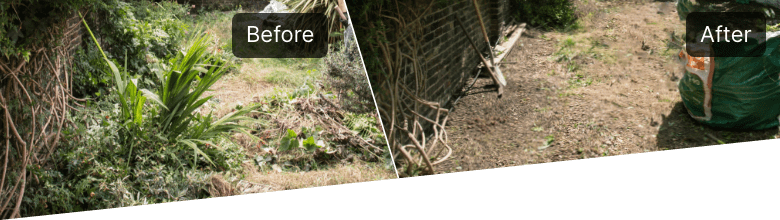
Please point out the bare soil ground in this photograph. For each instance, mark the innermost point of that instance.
(609, 88)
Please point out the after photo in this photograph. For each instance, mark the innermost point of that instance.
(467, 85)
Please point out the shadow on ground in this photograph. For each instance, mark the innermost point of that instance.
(679, 130)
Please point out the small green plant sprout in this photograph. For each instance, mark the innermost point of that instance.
(289, 141)
(309, 141)
(312, 140)
(548, 140)
(569, 42)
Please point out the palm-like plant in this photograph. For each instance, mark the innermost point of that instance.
(328, 8)
(183, 85)
(178, 98)
(317, 6)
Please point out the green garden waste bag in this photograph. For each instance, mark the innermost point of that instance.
(732, 92)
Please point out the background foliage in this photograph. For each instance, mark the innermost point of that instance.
(140, 33)
(545, 14)
(346, 75)
(24, 22)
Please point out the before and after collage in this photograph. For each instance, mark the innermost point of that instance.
(118, 103)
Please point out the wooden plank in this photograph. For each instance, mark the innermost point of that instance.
(511, 42)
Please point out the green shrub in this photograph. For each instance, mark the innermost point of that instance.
(90, 170)
(546, 14)
(23, 23)
(308, 140)
(141, 32)
(90, 79)
(347, 78)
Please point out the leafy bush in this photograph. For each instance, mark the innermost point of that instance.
(91, 171)
(547, 14)
(23, 23)
(317, 6)
(90, 79)
(347, 77)
(142, 32)
(130, 98)
(175, 97)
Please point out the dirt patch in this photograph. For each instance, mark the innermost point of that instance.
(608, 89)
(237, 89)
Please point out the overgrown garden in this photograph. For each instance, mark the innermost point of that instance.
(129, 114)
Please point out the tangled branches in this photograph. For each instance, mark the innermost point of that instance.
(34, 97)
(397, 44)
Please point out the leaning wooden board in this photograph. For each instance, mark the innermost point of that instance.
(484, 61)
(509, 44)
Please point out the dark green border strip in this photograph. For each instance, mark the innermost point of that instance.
(737, 181)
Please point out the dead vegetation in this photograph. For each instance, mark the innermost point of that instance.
(303, 96)
(310, 97)
(349, 157)
(339, 174)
